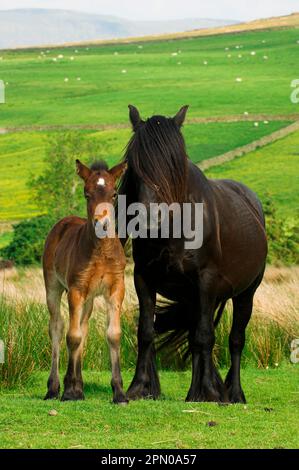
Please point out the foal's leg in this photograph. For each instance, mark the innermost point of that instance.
(145, 383)
(73, 383)
(56, 326)
(114, 304)
(206, 384)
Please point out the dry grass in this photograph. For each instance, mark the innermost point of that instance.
(24, 325)
(276, 299)
(26, 285)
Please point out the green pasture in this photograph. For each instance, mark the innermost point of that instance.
(159, 77)
(22, 155)
(271, 170)
(269, 420)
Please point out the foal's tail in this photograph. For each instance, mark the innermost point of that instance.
(173, 324)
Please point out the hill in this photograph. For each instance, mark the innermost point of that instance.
(31, 27)
(219, 75)
(232, 77)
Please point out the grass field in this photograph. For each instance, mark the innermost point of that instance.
(272, 169)
(219, 76)
(22, 155)
(42, 88)
(269, 420)
(159, 77)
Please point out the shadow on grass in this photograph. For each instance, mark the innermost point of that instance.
(91, 388)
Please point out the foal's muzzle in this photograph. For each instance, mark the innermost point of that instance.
(104, 224)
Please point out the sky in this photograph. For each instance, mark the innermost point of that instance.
(167, 9)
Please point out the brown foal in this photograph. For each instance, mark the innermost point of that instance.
(82, 260)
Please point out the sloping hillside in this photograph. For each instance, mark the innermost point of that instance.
(144, 34)
(31, 27)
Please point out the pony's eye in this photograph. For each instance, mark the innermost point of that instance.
(87, 196)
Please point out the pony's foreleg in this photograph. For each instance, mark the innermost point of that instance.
(73, 383)
(206, 384)
(145, 383)
(87, 311)
(56, 327)
(114, 304)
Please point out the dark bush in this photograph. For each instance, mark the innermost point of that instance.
(27, 245)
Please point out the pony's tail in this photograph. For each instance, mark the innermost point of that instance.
(172, 326)
(219, 313)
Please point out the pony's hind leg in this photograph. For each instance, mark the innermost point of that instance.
(56, 327)
(242, 309)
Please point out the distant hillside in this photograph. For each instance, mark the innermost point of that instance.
(276, 22)
(29, 27)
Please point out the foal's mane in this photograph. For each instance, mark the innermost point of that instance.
(156, 153)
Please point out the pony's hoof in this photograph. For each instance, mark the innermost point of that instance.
(208, 395)
(138, 393)
(142, 391)
(236, 396)
(72, 395)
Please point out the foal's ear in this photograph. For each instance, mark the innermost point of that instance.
(83, 171)
(118, 170)
(179, 118)
(134, 116)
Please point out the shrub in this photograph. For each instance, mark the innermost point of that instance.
(283, 235)
(28, 240)
(57, 192)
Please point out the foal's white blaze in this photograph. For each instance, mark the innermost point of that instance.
(101, 182)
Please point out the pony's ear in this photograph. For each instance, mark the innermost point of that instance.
(83, 171)
(134, 116)
(118, 170)
(179, 118)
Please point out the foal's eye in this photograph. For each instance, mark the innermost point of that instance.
(87, 196)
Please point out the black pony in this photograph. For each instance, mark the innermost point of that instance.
(229, 264)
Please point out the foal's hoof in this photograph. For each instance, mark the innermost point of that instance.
(72, 395)
(52, 395)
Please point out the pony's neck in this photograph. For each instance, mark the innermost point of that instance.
(94, 243)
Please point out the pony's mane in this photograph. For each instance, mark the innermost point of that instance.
(156, 153)
(99, 165)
